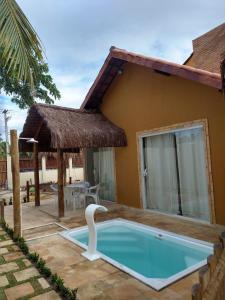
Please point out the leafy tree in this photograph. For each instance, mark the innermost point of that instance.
(44, 87)
(23, 72)
(21, 46)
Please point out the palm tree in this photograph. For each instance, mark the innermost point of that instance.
(20, 45)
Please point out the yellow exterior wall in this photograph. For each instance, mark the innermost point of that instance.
(141, 99)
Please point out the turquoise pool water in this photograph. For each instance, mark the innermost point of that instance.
(146, 253)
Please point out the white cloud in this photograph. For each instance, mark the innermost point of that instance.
(77, 36)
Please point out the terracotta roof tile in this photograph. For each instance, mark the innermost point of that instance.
(118, 57)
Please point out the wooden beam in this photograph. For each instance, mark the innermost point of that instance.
(36, 175)
(16, 183)
(60, 163)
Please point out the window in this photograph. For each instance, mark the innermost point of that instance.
(100, 169)
(175, 178)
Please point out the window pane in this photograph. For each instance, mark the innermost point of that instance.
(100, 170)
(161, 179)
(175, 172)
(192, 170)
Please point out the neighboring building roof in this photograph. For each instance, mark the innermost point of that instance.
(208, 50)
(69, 129)
(118, 57)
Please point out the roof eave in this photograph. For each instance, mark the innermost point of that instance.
(187, 72)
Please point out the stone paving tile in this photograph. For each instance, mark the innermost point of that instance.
(26, 274)
(52, 295)
(26, 262)
(6, 243)
(3, 251)
(12, 266)
(15, 247)
(44, 283)
(3, 281)
(19, 291)
(13, 255)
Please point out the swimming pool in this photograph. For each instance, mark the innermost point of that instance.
(154, 256)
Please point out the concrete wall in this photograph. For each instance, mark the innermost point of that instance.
(45, 175)
(51, 175)
(141, 99)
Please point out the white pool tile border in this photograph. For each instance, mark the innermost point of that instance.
(156, 283)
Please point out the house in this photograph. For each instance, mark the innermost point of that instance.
(172, 121)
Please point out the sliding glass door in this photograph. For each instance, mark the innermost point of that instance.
(174, 171)
(100, 170)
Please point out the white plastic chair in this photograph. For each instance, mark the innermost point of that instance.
(93, 192)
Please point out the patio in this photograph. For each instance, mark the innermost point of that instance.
(98, 279)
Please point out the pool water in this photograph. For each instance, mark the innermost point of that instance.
(154, 256)
(148, 254)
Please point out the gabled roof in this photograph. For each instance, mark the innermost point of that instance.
(69, 129)
(208, 50)
(118, 57)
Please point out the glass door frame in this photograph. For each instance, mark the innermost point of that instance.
(86, 166)
(176, 128)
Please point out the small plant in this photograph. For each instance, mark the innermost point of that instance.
(46, 271)
(40, 264)
(10, 232)
(70, 294)
(56, 280)
(33, 257)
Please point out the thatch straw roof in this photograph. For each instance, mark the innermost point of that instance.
(69, 129)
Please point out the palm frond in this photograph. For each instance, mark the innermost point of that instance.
(19, 41)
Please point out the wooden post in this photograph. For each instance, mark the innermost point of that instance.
(16, 183)
(2, 206)
(28, 191)
(64, 173)
(36, 176)
(60, 163)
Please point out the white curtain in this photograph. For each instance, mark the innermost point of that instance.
(175, 160)
(161, 179)
(104, 173)
(192, 171)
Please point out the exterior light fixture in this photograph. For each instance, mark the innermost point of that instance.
(29, 140)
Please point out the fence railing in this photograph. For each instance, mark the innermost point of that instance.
(211, 284)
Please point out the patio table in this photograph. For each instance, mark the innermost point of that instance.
(74, 194)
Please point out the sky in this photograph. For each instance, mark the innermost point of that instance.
(77, 35)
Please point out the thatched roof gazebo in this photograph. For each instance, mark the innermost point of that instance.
(60, 129)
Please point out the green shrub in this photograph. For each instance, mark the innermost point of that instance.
(33, 257)
(46, 271)
(40, 264)
(56, 280)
